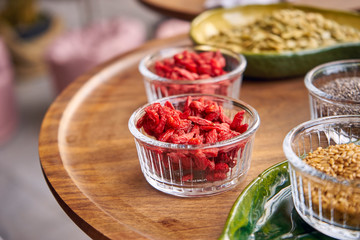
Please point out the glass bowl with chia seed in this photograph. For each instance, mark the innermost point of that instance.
(324, 169)
(334, 88)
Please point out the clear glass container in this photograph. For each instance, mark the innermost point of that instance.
(329, 204)
(329, 101)
(158, 87)
(166, 165)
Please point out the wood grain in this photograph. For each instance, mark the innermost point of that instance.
(89, 159)
(182, 9)
(189, 9)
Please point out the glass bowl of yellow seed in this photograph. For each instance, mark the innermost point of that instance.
(324, 168)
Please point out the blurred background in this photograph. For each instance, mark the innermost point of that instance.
(44, 45)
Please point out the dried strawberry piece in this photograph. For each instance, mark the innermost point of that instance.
(211, 152)
(206, 56)
(197, 107)
(173, 121)
(192, 67)
(215, 176)
(211, 165)
(196, 129)
(223, 117)
(218, 127)
(182, 139)
(201, 161)
(212, 108)
(166, 135)
(237, 121)
(187, 103)
(185, 114)
(183, 73)
(195, 141)
(205, 69)
(220, 58)
(211, 137)
(169, 105)
(185, 125)
(180, 160)
(221, 167)
(242, 128)
(224, 135)
(140, 122)
(200, 121)
(187, 177)
(204, 76)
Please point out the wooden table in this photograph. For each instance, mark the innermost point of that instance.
(90, 163)
(189, 9)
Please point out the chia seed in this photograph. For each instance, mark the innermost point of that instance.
(343, 88)
(345, 100)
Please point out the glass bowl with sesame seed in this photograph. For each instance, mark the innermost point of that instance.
(334, 88)
(324, 169)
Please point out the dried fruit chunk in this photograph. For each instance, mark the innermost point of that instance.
(191, 65)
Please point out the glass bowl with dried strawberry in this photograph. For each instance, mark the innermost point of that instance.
(194, 144)
(192, 69)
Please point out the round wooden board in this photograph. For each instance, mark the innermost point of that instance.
(189, 9)
(90, 163)
(182, 9)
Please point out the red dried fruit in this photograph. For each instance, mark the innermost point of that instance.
(192, 66)
(221, 167)
(238, 118)
(211, 137)
(215, 176)
(187, 177)
(201, 122)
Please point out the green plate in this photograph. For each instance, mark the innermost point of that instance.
(265, 210)
(276, 65)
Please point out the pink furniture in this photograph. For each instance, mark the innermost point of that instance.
(8, 113)
(74, 53)
(172, 27)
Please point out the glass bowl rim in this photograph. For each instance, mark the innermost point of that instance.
(153, 142)
(300, 165)
(321, 94)
(150, 75)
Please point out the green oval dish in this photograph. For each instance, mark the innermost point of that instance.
(276, 65)
(265, 210)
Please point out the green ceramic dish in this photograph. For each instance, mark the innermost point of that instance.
(265, 210)
(276, 65)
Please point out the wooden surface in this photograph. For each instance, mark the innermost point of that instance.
(89, 159)
(189, 9)
(182, 9)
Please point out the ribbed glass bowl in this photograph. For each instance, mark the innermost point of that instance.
(166, 165)
(323, 104)
(329, 204)
(158, 87)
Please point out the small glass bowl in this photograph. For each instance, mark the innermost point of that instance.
(324, 103)
(329, 204)
(227, 85)
(166, 165)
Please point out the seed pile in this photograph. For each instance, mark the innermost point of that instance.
(343, 88)
(285, 30)
(332, 201)
(346, 88)
(342, 160)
